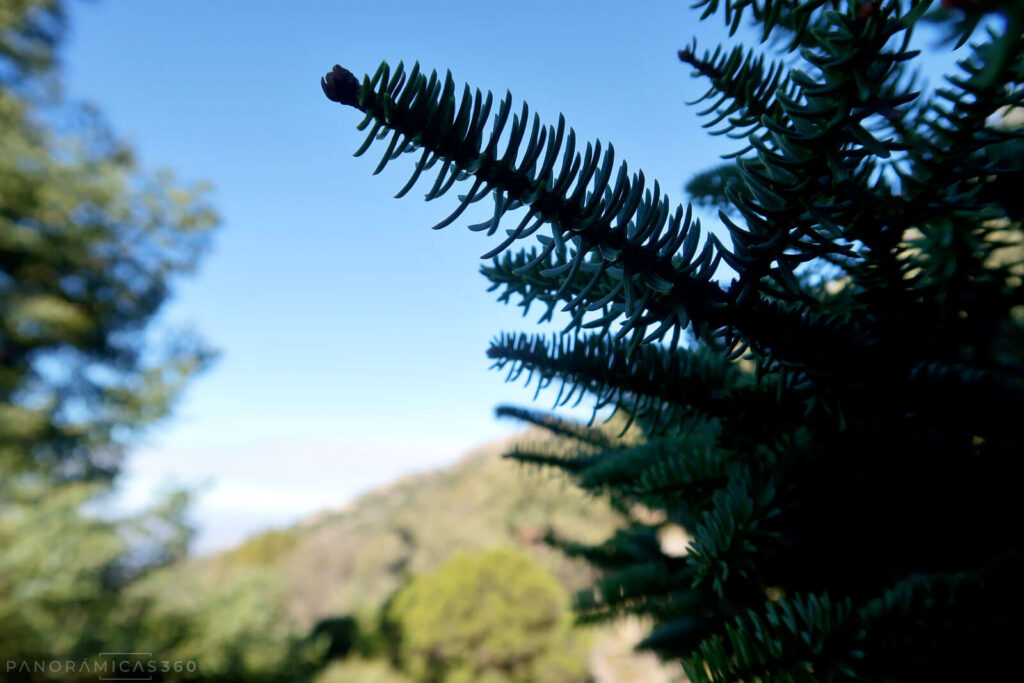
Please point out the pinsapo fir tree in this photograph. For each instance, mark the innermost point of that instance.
(834, 429)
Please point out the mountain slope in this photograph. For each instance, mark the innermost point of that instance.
(337, 562)
(349, 561)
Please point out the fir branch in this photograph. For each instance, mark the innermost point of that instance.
(617, 224)
(586, 203)
(570, 464)
(729, 541)
(558, 426)
(742, 86)
(812, 144)
(653, 383)
(799, 638)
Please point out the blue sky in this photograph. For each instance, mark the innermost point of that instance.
(353, 337)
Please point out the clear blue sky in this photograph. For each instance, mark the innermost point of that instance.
(353, 337)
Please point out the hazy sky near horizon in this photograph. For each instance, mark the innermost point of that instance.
(353, 337)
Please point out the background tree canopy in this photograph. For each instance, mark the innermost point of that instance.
(492, 616)
(89, 248)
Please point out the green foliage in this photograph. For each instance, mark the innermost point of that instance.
(833, 435)
(29, 32)
(493, 616)
(62, 571)
(361, 671)
(231, 621)
(89, 248)
(262, 549)
(73, 585)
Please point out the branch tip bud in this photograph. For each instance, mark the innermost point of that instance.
(341, 86)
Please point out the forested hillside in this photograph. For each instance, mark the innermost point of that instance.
(335, 572)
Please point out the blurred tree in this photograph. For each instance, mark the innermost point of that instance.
(231, 620)
(492, 616)
(62, 571)
(89, 246)
(361, 671)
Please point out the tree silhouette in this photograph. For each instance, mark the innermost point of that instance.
(834, 428)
